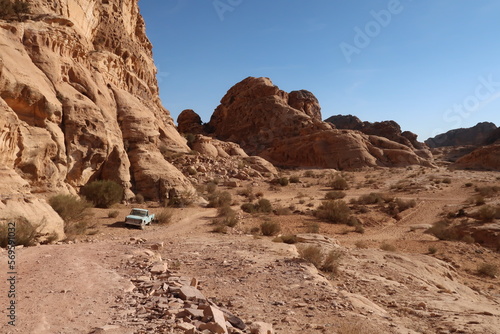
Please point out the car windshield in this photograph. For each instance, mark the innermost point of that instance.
(138, 213)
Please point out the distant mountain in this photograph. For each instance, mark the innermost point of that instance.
(481, 134)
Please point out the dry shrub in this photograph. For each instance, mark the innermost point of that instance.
(70, 208)
(488, 213)
(294, 179)
(336, 212)
(338, 183)
(282, 211)
(371, 198)
(287, 239)
(247, 192)
(282, 181)
(388, 247)
(219, 228)
(312, 228)
(23, 232)
(443, 230)
(488, 269)
(361, 244)
(488, 191)
(248, 208)
(139, 198)
(354, 327)
(403, 204)
(312, 254)
(164, 217)
(219, 199)
(332, 262)
(336, 194)
(113, 214)
(270, 228)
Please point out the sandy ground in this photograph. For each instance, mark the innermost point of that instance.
(74, 288)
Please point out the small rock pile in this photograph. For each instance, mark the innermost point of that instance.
(160, 300)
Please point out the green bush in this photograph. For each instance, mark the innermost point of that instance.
(336, 212)
(270, 228)
(70, 208)
(103, 194)
(25, 233)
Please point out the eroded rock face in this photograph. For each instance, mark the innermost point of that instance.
(388, 129)
(79, 100)
(286, 129)
(483, 158)
(476, 135)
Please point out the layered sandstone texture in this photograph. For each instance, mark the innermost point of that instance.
(287, 130)
(79, 101)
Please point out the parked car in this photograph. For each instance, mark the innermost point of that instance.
(140, 218)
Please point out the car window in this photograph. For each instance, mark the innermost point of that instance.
(138, 213)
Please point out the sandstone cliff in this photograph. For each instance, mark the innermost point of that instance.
(287, 130)
(79, 101)
(476, 135)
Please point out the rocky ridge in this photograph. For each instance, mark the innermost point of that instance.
(286, 129)
(476, 135)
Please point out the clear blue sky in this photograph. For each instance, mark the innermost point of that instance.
(430, 65)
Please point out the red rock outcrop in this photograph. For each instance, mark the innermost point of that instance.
(483, 158)
(388, 129)
(79, 100)
(286, 129)
(189, 121)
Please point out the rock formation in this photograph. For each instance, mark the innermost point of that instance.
(287, 130)
(388, 129)
(79, 100)
(476, 135)
(189, 122)
(483, 158)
